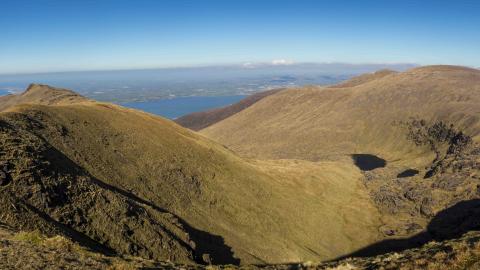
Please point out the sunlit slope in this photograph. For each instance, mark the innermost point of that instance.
(264, 211)
(364, 78)
(201, 120)
(315, 123)
(41, 94)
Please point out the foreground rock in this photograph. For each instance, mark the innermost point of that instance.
(32, 250)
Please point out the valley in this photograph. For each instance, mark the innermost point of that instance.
(384, 162)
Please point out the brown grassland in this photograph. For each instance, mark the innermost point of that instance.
(274, 183)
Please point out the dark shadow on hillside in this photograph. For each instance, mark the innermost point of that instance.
(448, 224)
(368, 162)
(205, 243)
(407, 173)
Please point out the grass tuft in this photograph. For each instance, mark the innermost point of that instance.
(33, 237)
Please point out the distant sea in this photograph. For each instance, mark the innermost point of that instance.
(173, 92)
(180, 106)
(4, 92)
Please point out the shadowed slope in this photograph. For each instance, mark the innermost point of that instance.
(450, 223)
(201, 120)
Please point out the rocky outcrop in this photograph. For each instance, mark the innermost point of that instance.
(453, 149)
(408, 203)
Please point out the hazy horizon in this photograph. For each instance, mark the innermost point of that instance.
(154, 84)
(244, 65)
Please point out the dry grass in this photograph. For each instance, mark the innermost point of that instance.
(263, 210)
(256, 208)
(34, 237)
(364, 78)
(122, 266)
(315, 123)
(32, 250)
(200, 120)
(41, 94)
(35, 251)
(324, 124)
(310, 207)
(54, 243)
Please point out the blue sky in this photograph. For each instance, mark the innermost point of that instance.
(55, 35)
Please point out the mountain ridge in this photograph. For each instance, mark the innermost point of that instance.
(306, 174)
(41, 94)
(200, 120)
(410, 92)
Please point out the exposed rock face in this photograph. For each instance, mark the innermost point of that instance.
(452, 177)
(453, 149)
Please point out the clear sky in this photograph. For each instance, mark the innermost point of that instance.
(59, 35)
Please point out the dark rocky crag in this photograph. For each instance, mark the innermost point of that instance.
(410, 202)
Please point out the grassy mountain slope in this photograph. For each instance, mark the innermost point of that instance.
(128, 182)
(315, 123)
(42, 189)
(41, 94)
(424, 123)
(125, 177)
(364, 78)
(200, 120)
